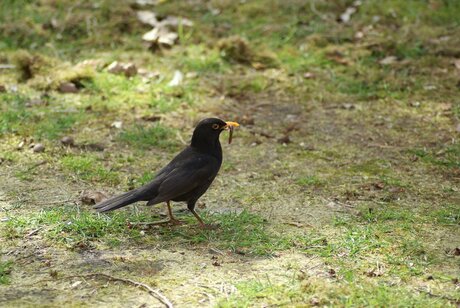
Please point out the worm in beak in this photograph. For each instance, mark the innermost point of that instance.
(230, 126)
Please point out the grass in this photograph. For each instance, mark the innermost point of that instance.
(314, 292)
(156, 136)
(5, 271)
(74, 227)
(89, 168)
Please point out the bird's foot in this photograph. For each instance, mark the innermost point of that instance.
(209, 226)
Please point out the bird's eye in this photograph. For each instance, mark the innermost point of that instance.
(215, 126)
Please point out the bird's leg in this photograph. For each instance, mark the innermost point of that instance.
(172, 219)
(203, 225)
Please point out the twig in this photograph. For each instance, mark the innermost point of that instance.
(33, 232)
(155, 293)
(36, 165)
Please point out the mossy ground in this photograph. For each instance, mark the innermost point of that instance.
(341, 187)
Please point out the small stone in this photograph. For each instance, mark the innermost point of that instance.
(308, 75)
(67, 140)
(38, 148)
(68, 87)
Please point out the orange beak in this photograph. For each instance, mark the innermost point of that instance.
(230, 126)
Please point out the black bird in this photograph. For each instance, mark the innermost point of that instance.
(186, 177)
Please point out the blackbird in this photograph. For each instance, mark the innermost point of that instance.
(186, 178)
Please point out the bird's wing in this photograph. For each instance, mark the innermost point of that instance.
(190, 174)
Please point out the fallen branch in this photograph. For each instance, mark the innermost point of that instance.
(155, 293)
(33, 232)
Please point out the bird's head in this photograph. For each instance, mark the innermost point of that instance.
(207, 132)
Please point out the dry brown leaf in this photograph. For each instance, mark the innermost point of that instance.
(388, 60)
(147, 17)
(128, 69)
(68, 87)
(160, 36)
(92, 197)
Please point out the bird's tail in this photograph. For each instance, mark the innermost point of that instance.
(120, 201)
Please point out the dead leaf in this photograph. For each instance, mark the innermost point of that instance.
(92, 197)
(284, 140)
(375, 272)
(147, 17)
(332, 273)
(2, 88)
(128, 69)
(68, 87)
(456, 251)
(177, 79)
(160, 36)
(388, 60)
(346, 16)
(173, 21)
(458, 128)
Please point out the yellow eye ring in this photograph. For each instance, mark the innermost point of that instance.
(215, 126)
